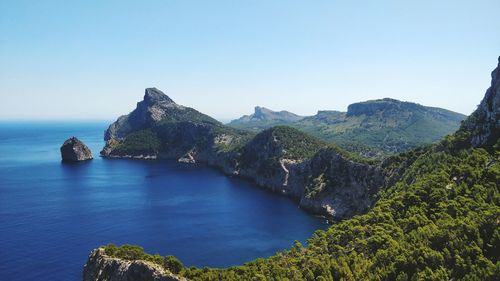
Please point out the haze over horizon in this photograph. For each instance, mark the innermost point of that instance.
(92, 60)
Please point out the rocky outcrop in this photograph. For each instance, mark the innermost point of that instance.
(100, 267)
(73, 150)
(160, 128)
(484, 123)
(338, 186)
(151, 109)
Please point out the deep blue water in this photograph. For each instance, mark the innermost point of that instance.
(52, 214)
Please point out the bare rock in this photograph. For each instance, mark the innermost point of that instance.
(484, 123)
(73, 150)
(101, 267)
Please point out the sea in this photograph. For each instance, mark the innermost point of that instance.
(53, 214)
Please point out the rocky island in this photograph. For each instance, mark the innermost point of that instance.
(73, 150)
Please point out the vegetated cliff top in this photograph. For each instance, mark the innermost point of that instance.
(283, 141)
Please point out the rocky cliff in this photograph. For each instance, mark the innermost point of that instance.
(322, 178)
(339, 186)
(101, 267)
(484, 123)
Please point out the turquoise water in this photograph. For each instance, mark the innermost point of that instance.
(52, 214)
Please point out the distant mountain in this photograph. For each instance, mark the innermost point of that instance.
(374, 127)
(264, 118)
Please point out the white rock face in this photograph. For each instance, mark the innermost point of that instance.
(485, 121)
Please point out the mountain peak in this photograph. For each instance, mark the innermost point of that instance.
(261, 112)
(153, 95)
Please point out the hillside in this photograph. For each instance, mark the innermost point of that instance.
(437, 218)
(375, 128)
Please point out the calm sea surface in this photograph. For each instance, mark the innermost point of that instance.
(52, 214)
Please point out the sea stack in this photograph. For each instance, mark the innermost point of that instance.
(73, 150)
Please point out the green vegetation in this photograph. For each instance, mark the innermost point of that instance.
(285, 142)
(438, 222)
(132, 252)
(259, 125)
(140, 142)
(187, 114)
(296, 145)
(182, 136)
(375, 129)
(266, 149)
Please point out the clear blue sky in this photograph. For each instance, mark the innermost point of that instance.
(92, 59)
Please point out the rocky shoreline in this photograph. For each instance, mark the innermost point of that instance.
(355, 183)
(101, 267)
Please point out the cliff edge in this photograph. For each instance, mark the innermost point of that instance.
(101, 267)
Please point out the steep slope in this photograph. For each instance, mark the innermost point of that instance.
(482, 128)
(264, 118)
(436, 220)
(375, 128)
(322, 178)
